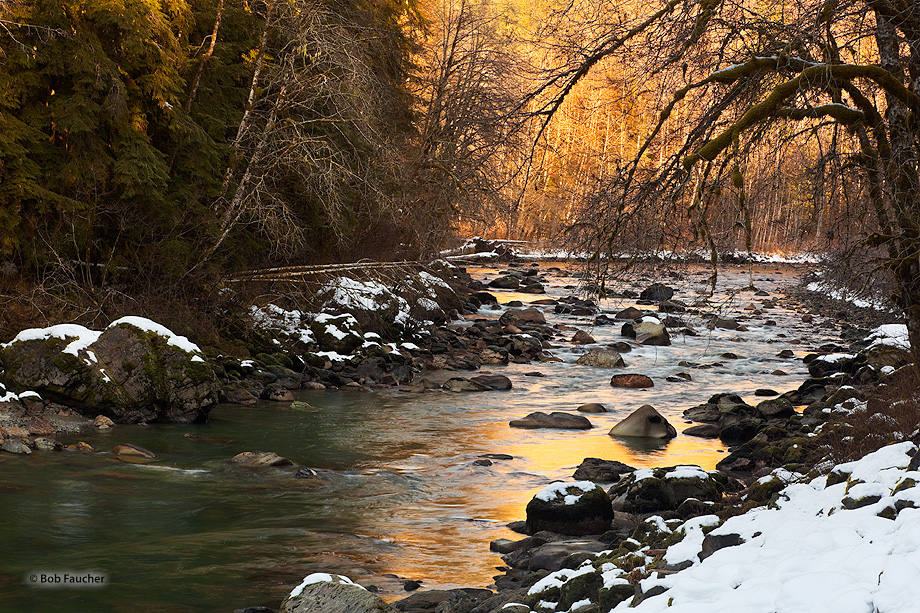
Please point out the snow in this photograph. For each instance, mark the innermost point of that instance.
(554, 490)
(272, 316)
(321, 578)
(840, 294)
(332, 356)
(677, 472)
(558, 578)
(808, 553)
(892, 335)
(83, 338)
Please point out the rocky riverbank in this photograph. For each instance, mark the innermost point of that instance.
(335, 349)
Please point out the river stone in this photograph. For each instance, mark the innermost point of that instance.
(556, 419)
(552, 556)
(651, 333)
(276, 393)
(15, 447)
(601, 358)
(460, 384)
(505, 282)
(494, 382)
(629, 313)
(47, 444)
(260, 458)
(128, 374)
(575, 509)
(703, 431)
(582, 338)
(603, 471)
(322, 593)
(776, 408)
(102, 422)
(519, 316)
(644, 422)
(631, 380)
(127, 450)
(592, 407)
(664, 489)
(657, 292)
(446, 601)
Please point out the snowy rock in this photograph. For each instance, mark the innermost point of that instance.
(575, 509)
(326, 593)
(647, 331)
(134, 371)
(653, 490)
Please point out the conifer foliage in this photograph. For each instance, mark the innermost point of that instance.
(143, 139)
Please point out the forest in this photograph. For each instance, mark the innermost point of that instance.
(151, 148)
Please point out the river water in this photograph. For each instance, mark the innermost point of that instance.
(398, 498)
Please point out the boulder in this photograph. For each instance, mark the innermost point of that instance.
(631, 380)
(601, 471)
(448, 601)
(522, 316)
(601, 358)
(776, 408)
(575, 509)
(276, 393)
(325, 593)
(654, 490)
(337, 333)
(592, 407)
(556, 419)
(134, 371)
(644, 422)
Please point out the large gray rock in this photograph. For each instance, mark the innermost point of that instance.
(647, 331)
(127, 373)
(576, 509)
(644, 422)
(322, 593)
(522, 316)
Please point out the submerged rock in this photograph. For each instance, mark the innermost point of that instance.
(644, 422)
(127, 450)
(494, 382)
(260, 458)
(592, 407)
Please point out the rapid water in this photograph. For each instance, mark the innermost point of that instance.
(398, 498)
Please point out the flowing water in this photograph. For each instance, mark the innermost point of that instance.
(398, 494)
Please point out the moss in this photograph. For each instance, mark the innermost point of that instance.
(835, 477)
(580, 588)
(608, 598)
(905, 484)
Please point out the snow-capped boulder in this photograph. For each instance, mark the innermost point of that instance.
(575, 509)
(134, 371)
(652, 490)
(327, 593)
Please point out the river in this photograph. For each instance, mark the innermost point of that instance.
(398, 495)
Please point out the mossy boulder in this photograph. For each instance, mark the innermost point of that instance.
(337, 333)
(130, 372)
(325, 593)
(575, 509)
(664, 489)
